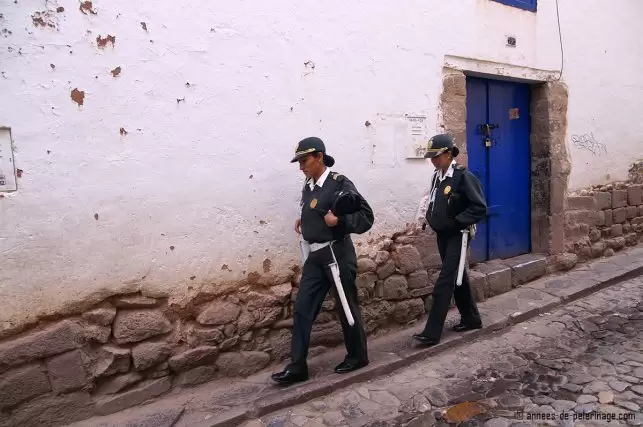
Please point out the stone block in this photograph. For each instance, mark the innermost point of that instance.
(146, 391)
(594, 235)
(407, 259)
(367, 282)
(219, 313)
(631, 239)
(386, 270)
(454, 84)
(242, 364)
(478, 282)
(581, 203)
(22, 384)
(619, 215)
(598, 218)
(395, 288)
(265, 316)
(197, 335)
(117, 384)
(540, 144)
(327, 334)
(576, 231)
(565, 261)
(557, 191)
(617, 243)
(608, 218)
(204, 355)
(111, 360)
(381, 257)
(103, 316)
(619, 198)
(196, 376)
(616, 230)
(59, 338)
(635, 194)
(421, 292)
(540, 194)
(135, 301)
(540, 233)
(365, 265)
(418, 279)
(540, 167)
(637, 221)
(67, 372)
(641, 210)
(627, 227)
(556, 234)
(603, 200)
(597, 249)
(498, 277)
(631, 212)
(148, 354)
(51, 410)
(525, 268)
(406, 311)
(139, 324)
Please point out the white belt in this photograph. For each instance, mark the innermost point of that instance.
(314, 247)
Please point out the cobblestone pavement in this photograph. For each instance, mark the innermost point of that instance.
(584, 360)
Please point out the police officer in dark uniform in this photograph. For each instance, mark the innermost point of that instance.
(455, 203)
(331, 209)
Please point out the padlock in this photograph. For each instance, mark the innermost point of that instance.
(487, 142)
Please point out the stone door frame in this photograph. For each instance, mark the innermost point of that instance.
(550, 164)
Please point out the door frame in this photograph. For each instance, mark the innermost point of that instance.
(550, 161)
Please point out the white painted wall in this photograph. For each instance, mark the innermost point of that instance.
(181, 176)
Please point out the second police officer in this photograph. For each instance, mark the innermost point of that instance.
(455, 203)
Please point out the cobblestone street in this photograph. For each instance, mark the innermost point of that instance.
(584, 359)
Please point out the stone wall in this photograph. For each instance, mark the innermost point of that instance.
(131, 348)
(602, 220)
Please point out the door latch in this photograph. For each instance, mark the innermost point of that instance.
(486, 129)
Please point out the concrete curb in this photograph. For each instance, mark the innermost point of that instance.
(316, 388)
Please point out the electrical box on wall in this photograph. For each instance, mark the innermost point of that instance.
(7, 167)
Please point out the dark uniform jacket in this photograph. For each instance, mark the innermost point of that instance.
(458, 203)
(316, 203)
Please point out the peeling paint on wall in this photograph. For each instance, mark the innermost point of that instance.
(87, 7)
(102, 42)
(116, 71)
(78, 96)
(45, 18)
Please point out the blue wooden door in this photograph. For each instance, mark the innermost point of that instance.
(499, 156)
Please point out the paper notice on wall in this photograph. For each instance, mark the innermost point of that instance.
(416, 136)
(7, 167)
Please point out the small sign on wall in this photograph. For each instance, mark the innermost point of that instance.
(7, 168)
(416, 136)
(514, 113)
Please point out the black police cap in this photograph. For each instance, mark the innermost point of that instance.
(440, 144)
(346, 203)
(312, 145)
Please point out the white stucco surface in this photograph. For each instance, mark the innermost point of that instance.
(210, 175)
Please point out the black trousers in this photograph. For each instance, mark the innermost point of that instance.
(315, 283)
(450, 246)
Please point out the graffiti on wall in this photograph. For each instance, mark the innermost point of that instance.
(587, 142)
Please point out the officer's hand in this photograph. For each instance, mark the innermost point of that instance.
(331, 219)
(298, 226)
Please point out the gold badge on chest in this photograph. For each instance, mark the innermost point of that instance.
(313, 203)
(447, 190)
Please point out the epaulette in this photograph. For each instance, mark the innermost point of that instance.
(337, 176)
